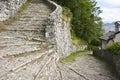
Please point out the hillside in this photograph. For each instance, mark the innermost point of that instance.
(108, 27)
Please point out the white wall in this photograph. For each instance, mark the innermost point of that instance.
(117, 37)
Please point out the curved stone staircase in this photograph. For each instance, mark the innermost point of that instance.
(26, 55)
(24, 52)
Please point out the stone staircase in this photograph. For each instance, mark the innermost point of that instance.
(24, 52)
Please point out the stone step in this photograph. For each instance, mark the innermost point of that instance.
(23, 47)
(31, 18)
(32, 27)
(18, 33)
(12, 50)
(38, 11)
(32, 41)
(21, 40)
(25, 15)
(16, 64)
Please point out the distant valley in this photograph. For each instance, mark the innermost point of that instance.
(109, 27)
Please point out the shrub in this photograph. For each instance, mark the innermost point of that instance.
(92, 47)
(115, 48)
(67, 12)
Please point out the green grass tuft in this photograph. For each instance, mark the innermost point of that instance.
(72, 57)
(76, 40)
(16, 16)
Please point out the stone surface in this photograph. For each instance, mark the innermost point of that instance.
(24, 52)
(86, 67)
(111, 57)
(9, 8)
(58, 32)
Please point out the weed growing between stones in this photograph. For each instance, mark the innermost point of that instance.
(1, 25)
(17, 15)
(72, 57)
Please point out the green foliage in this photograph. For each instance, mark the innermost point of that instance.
(96, 42)
(92, 47)
(67, 13)
(115, 48)
(86, 23)
(72, 56)
(76, 40)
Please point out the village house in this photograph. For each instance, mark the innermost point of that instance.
(111, 36)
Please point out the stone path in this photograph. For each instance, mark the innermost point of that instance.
(25, 54)
(86, 67)
(24, 51)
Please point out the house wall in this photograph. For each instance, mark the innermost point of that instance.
(106, 43)
(117, 28)
(109, 42)
(117, 38)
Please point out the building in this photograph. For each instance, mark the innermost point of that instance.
(111, 36)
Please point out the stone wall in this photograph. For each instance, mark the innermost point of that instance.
(58, 32)
(9, 7)
(115, 59)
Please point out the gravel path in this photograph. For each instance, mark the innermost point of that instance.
(86, 67)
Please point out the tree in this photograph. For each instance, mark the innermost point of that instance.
(86, 22)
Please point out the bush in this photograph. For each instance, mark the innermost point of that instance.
(115, 48)
(67, 12)
(91, 47)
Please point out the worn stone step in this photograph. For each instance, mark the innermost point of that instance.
(44, 16)
(21, 40)
(11, 50)
(32, 27)
(19, 33)
(31, 18)
(22, 62)
(38, 11)
(23, 45)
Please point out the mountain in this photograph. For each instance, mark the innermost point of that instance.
(109, 27)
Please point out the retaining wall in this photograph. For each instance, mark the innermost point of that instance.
(58, 32)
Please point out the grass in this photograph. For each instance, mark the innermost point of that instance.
(72, 57)
(76, 40)
(16, 16)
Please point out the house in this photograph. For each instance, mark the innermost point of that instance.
(111, 36)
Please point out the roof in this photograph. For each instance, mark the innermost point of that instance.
(108, 35)
(117, 22)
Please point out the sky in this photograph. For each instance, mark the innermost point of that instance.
(111, 10)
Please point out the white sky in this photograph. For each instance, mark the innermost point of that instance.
(111, 10)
